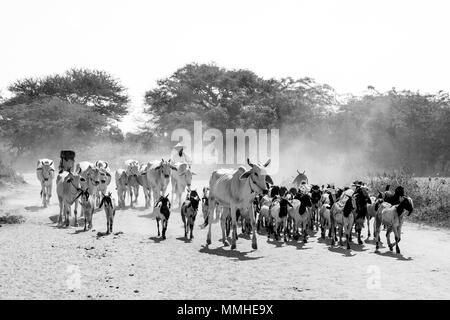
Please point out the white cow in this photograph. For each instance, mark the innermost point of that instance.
(180, 179)
(45, 173)
(68, 190)
(142, 180)
(132, 170)
(121, 186)
(158, 175)
(104, 177)
(236, 189)
(89, 180)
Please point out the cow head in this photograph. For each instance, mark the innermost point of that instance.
(73, 182)
(104, 176)
(257, 176)
(185, 172)
(165, 167)
(46, 167)
(300, 178)
(91, 176)
(101, 164)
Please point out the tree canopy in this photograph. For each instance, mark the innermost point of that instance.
(92, 88)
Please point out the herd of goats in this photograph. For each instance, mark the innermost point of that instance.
(245, 196)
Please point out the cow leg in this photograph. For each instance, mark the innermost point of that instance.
(211, 208)
(223, 225)
(234, 226)
(130, 190)
(136, 194)
(253, 228)
(67, 214)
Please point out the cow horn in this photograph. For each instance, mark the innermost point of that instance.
(51, 163)
(298, 171)
(267, 163)
(249, 163)
(106, 165)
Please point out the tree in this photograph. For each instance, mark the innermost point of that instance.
(92, 88)
(49, 122)
(232, 98)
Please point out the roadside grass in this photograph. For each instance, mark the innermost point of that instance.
(431, 196)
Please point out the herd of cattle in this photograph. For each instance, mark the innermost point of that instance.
(247, 196)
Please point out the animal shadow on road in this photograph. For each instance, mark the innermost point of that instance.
(184, 239)
(156, 239)
(54, 218)
(34, 208)
(233, 254)
(299, 244)
(341, 250)
(358, 247)
(277, 243)
(391, 254)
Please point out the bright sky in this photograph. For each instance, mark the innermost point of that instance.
(347, 44)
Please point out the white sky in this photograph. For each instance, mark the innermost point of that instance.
(347, 44)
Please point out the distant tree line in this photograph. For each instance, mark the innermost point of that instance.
(394, 129)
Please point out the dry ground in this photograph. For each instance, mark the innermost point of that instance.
(40, 261)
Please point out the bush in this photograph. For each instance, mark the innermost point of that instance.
(9, 176)
(430, 195)
(12, 219)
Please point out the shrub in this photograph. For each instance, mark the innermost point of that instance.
(12, 219)
(9, 176)
(430, 195)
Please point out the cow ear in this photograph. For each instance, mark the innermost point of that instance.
(245, 175)
(269, 179)
(193, 173)
(39, 162)
(173, 168)
(267, 163)
(182, 173)
(108, 174)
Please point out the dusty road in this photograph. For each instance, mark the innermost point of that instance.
(40, 261)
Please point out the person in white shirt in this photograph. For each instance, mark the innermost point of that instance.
(178, 154)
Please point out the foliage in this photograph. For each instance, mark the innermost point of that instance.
(47, 121)
(93, 88)
(232, 99)
(430, 195)
(12, 219)
(8, 175)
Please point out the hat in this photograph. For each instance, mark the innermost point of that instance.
(179, 146)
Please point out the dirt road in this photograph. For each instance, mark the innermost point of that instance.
(40, 261)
